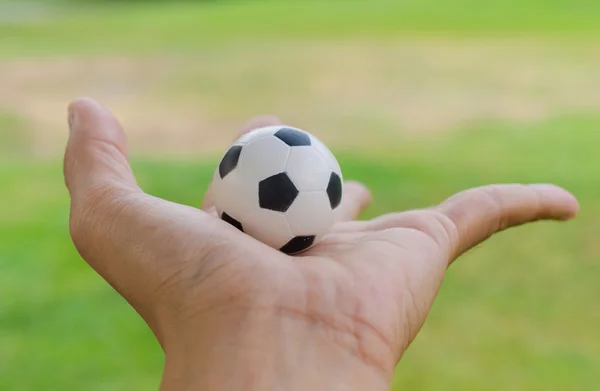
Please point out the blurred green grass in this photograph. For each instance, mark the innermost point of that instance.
(148, 26)
(519, 313)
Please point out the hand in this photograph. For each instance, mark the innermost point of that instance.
(233, 314)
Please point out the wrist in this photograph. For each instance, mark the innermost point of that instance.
(286, 357)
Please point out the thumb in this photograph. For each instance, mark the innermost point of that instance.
(102, 186)
(96, 154)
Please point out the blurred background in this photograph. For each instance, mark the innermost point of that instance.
(417, 98)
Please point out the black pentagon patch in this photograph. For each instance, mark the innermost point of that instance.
(298, 244)
(230, 160)
(277, 192)
(334, 190)
(293, 137)
(225, 217)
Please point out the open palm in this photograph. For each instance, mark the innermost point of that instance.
(364, 291)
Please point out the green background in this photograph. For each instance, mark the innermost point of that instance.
(518, 313)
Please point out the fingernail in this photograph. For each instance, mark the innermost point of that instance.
(569, 216)
(72, 119)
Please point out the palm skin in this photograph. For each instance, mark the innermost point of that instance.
(220, 302)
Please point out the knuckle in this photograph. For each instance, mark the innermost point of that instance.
(94, 212)
(437, 226)
(499, 215)
(398, 219)
(77, 229)
(446, 230)
(493, 195)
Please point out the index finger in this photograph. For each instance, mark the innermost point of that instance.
(478, 213)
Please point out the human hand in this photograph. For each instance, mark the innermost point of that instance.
(231, 313)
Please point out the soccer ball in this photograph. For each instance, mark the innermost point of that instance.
(280, 185)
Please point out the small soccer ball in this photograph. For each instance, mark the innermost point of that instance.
(280, 185)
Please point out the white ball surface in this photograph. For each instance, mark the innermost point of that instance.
(280, 185)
